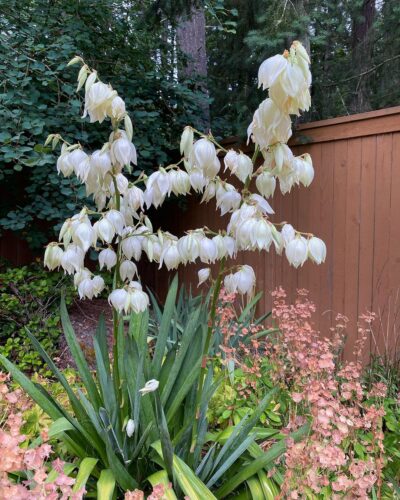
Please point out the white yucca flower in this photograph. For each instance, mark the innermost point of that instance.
(266, 183)
(64, 165)
(150, 386)
(203, 275)
(204, 157)
(101, 162)
(189, 247)
(135, 199)
(104, 230)
(170, 255)
(80, 162)
(130, 428)
(296, 251)
(116, 109)
(207, 250)
(72, 259)
(123, 152)
(107, 258)
(132, 247)
(316, 250)
(52, 256)
(288, 233)
(180, 182)
(127, 270)
(186, 144)
(117, 220)
(245, 279)
(97, 101)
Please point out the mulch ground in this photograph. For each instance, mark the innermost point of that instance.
(84, 315)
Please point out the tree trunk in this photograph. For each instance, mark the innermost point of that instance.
(362, 45)
(191, 42)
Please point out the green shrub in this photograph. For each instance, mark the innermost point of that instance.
(29, 299)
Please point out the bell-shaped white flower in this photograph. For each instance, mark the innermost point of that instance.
(98, 285)
(203, 275)
(80, 162)
(104, 230)
(86, 289)
(158, 186)
(97, 101)
(209, 192)
(64, 165)
(266, 183)
(116, 218)
(170, 255)
(81, 275)
(52, 256)
(316, 250)
(120, 299)
(150, 386)
(207, 250)
(197, 180)
(130, 428)
(189, 247)
(306, 175)
(122, 183)
(101, 162)
(116, 108)
(180, 182)
(262, 204)
(204, 157)
(296, 251)
(230, 160)
(82, 235)
(134, 197)
(229, 201)
(107, 258)
(127, 270)
(132, 247)
(261, 234)
(186, 144)
(72, 259)
(230, 283)
(245, 279)
(123, 152)
(139, 301)
(288, 233)
(244, 167)
(270, 70)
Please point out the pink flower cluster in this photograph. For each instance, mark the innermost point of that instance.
(30, 461)
(332, 394)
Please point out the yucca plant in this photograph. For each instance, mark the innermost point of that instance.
(168, 439)
(142, 418)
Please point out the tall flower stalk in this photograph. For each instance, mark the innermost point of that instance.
(121, 232)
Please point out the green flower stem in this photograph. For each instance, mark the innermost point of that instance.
(117, 317)
(213, 312)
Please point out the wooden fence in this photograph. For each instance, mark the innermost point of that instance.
(353, 204)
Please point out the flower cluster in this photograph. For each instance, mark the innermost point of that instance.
(15, 457)
(119, 229)
(344, 452)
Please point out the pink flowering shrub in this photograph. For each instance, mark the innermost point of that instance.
(343, 455)
(28, 464)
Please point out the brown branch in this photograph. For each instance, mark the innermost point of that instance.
(360, 75)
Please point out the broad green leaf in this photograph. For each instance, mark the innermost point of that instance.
(191, 485)
(106, 485)
(85, 469)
